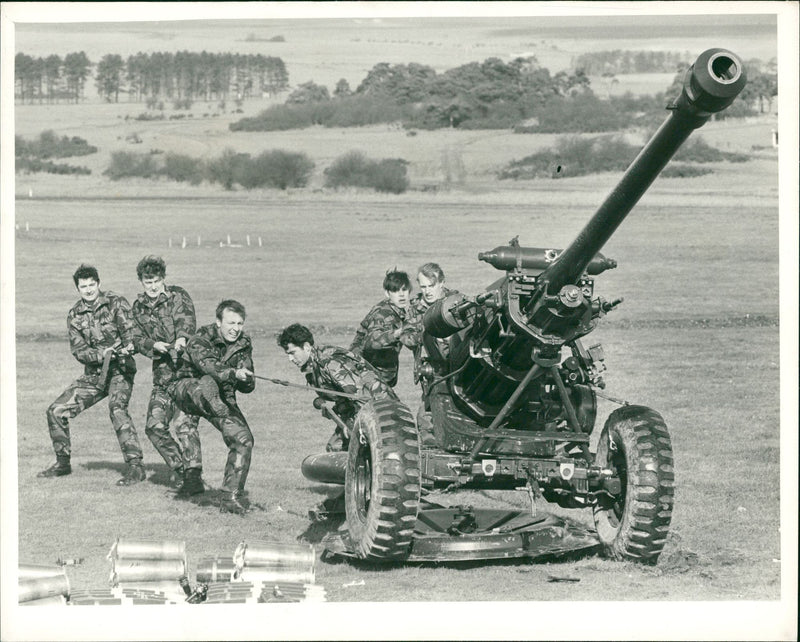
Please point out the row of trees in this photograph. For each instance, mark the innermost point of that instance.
(624, 61)
(51, 78)
(276, 168)
(490, 94)
(143, 76)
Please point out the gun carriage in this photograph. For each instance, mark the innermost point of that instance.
(513, 402)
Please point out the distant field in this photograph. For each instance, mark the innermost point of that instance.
(433, 156)
(326, 50)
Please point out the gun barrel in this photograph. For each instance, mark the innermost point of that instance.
(710, 85)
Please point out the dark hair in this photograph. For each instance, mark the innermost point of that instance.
(432, 271)
(151, 266)
(85, 272)
(233, 306)
(395, 280)
(296, 334)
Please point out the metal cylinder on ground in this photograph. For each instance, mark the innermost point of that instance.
(275, 561)
(33, 571)
(148, 549)
(125, 570)
(135, 560)
(215, 569)
(42, 587)
(54, 600)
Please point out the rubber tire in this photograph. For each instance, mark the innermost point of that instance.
(382, 482)
(635, 527)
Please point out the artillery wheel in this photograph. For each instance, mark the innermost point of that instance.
(635, 444)
(382, 484)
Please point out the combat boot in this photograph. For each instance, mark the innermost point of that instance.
(192, 484)
(231, 503)
(176, 478)
(133, 475)
(59, 469)
(214, 404)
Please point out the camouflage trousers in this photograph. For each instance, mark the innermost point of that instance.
(189, 397)
(83, 393)
(161, 414)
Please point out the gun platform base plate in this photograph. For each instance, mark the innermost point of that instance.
(464, 533)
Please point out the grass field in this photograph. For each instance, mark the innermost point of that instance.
(697, 337)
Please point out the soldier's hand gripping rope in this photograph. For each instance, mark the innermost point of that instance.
(329, 413)
(109, 354)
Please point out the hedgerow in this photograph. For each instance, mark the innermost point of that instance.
(354, 169)
(33, 165)
(49, 145)
(577, 156)
(276, 168)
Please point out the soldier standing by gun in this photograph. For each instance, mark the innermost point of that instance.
(100, 329)
(338, 370)
(386, 329)
(165, 321)
(430, 278)
(221, 359)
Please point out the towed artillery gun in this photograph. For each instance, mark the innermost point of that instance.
(513, 400)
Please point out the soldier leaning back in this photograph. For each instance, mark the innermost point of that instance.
(334, 369)
(221, 359)
(100, 328)
(165, 321)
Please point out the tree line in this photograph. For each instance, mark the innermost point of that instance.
(492, 94)
(147, 76)
(488, 94)
(624, 61)
(52, 78)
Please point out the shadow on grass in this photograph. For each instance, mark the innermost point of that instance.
(158, 474)
(117, 467)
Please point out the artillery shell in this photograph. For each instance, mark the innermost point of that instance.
(215, 569)
(273, 560)
(53, 600)
(32, 571)
(147, 550)
(138, 570)
(40, 587)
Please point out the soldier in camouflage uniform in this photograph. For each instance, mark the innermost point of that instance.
(164, 316)
(334, 369)
(430, 278)
(221, 359)
(100, 328)
(387, 328)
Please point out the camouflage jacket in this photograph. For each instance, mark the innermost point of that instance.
(167, 318)
(375, 338)
(93, 327)
(210, 354)
(436, 349)
(339, 369)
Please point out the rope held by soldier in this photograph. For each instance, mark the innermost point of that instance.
(327, 391)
